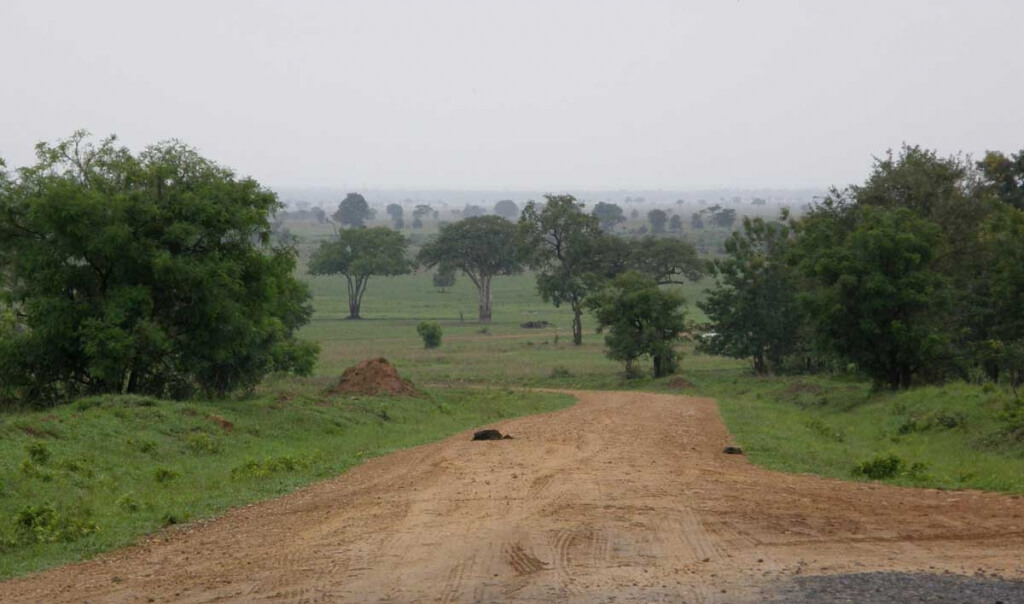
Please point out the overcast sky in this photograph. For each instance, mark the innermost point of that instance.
(519, 94)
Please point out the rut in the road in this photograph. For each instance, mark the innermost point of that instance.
(624, 494)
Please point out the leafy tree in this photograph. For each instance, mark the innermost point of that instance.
(642, 320)
(696, 221)
(444, 278)
(359, 254)
(152, 273)
(724, 218)
(353, 211)
(470, 211)
(753, 308)
(609, 215)
(507, 209)
(319, 215)
(665, 260)
(558, 241)
(675, 225)
(876, 298)
(1004, 176)
(482, 247)
(658, 220)
(419, 213)
(397, 214)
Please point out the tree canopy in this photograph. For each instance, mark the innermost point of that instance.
(507, 209)
(608, 215)
(359, 254)
(152, 273)
(642, 319)
(353, 211)
(482, 247)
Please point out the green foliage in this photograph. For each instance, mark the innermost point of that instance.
(1004, 177)
(665, 260)
(880, 467)
(444, 278)
(875, 297)
(431, 334)
(642, 320)
(359, 254)
(482, 247)
(151, 273)
(658, 219)
(353, 211)
(608, 215)
(753, 310)
(507, 209)
(162, 475)
(44, 524)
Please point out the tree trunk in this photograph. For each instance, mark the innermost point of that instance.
(355, 289)
(577, 324)
(484, 290)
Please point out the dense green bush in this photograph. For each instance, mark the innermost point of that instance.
(431, 334)
(153, 273)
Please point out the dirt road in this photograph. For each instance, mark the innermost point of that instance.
(625, 496)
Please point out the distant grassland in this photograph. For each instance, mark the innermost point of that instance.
(97, 474)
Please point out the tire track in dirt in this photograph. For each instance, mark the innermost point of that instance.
(626, 494)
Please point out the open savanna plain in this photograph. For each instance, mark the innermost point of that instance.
(610, 490)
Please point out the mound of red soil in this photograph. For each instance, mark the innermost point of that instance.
(373, 377)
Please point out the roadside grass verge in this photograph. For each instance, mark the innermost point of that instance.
(96, 474)
(954, 436)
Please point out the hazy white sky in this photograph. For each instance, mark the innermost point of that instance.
(520, 94)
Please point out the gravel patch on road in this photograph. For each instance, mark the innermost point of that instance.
(887, 587)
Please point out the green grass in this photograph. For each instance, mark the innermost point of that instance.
(97, 474)
(951, 437)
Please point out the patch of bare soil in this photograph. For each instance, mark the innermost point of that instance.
(624, 497)
(374, 377)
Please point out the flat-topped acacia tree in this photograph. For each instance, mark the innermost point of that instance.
(482, 247)
(359, 254)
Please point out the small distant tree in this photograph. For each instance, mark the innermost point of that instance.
(634, 214)
(359, 254)
(482, 247)
(696, 221)
(724, 218)
(419, 214)
(608, 215)
(665, 260)
(658, 219)
(507, 209)
(319, 214)
(642, 320)
(431, 334)
(471, 210)
(444, 278)
(397, 214)
(353, 211)
(675, 224)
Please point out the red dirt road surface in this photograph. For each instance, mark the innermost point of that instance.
(626, 495)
